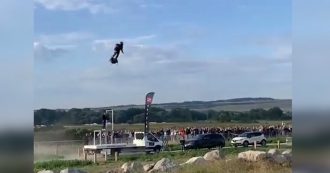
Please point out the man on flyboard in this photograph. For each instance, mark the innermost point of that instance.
(118, 48)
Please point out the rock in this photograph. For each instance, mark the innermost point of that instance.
(46, 171)
(125, 167)
(72, 170)
(213, 155)
(288, 151)
(163, 165)
(288, 155)
(133, 167)
(148, 167)
(272, 152)
(280, 159)
(195, 161)
(252, 155)
(115, 171)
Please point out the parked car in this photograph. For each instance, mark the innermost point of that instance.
(248, 138)
(205, 141)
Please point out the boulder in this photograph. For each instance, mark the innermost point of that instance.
(133, 167)
(288, 155)
(252, 155)
(117, 170)
(280, 159)
(213, 155)
(46, 171)
(164, 165)
(195, 161)
(272, 152)
(148, 167)
(72, 170)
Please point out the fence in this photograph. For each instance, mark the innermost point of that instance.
(68, 149)
(49, 150)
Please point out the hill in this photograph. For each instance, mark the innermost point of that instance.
(232, 110)
(236, 104)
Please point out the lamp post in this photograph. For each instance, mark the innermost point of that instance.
(106, 111)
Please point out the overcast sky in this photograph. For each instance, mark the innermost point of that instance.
(182, 50)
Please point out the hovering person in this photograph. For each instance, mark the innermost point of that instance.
(118, 48)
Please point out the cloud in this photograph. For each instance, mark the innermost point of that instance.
(281, 48)
(74, 5)
(64, 38)
(47, 47)
(45, 53)
(108, 44)
(143, 4)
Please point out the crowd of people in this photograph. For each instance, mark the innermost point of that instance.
(228, 133)
(177, 134)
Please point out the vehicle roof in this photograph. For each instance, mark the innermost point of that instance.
(218, 134)
(253, 132)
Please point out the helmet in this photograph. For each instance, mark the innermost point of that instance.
(121, 42)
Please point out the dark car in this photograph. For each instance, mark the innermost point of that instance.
(205, 141)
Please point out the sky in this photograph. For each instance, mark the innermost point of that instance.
(182, 50)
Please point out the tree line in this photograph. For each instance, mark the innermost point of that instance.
(136, 115)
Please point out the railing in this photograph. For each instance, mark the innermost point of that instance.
(49, 150)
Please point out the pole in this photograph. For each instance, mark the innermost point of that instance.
(116, 156)
(112, 119)
(112, 123)
(112, 126)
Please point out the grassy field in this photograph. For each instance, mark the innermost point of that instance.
(58, 133)
(178, 157)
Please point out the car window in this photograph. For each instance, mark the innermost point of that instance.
(151, 138)
(257, 134)
(243, 135)
(197, 137)
(207, 137)
(217, 136)
(213, 136)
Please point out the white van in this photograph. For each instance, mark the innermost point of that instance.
(151, 142)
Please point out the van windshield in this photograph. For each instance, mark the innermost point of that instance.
(151, 138)
(197, 137)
